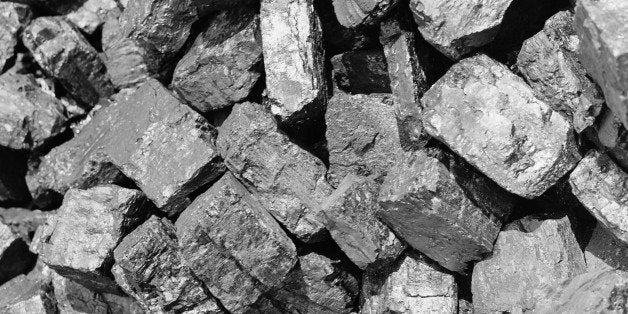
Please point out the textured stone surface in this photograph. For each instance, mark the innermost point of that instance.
(602, 187)
(71, 297)
(362, 135)
(149, 267)
(492, 119)
(613, 137)
(67, 56)
(93, 13)
(352, 13)
(602, 27)
(530, 255)
(126, 61)
(458, 27)
(550, 64)
(605, 252)
(13, 18)
(361, 72)
(288, 181)
(227, 226)
(25, 295)
(78, 243)
(14, 256)
(350, 218)
(412, 285)
(422, 202)
(23, 222)
(221, 67)
(293, 57)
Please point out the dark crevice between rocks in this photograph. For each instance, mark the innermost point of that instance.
(16, 260)
(13, 168)
(464, 286)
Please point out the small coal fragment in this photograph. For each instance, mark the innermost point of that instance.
(24, 222)
(604, 251)
(13, 18)
(93, 13)
(126, 61)
(361, 72)
(351, 13)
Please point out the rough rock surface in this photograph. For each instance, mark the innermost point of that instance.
(293, 58)
(13, 18)
(78, 243)
(458, 27)
(530, 255)
(14, 256)
(361, 72)
(350, 218)
(26, 295)
(412, 285)
(613, 137)
(66, 55)
(362, 135)
(352, 13)
(492, 119)
(126, 61)
(93, 13)
(422, 202)
(23, 222)
(602, 27)
(221, 67)
(149, 267)
(550, 64)
(227, 226)
(288, 181)
(71, 297)
(602, 187)
(604, 251)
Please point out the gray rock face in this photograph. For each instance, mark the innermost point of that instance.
(530, 255)
(227, 226)
(362, 135)
(67, 56)
(602, 27)
(491, 118)
(550, 64)
(220, 68)
(602, 187)
(149, 267)
(293, 58)
(127, 62)
(93, 14)
(458, 27)
(23, 222)
(411, 285)
(288, 181)
(352, 13)
(350, 218)
(71, 297)
(604, 251)
(13, 18)
(78, 243)
(25, 295)
(361, 72)
(613, 137)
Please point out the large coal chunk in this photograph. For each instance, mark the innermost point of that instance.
(491, 118)
(13, 18)
(351, 13)
(361, 72)
(288, 181)
(65, 54)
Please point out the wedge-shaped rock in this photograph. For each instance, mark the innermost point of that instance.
(550, 64)
(361, 72)
(127, 62)
(93, 13)
(78, 243)
(602, 27)
(287, 180)
(15, 258)
(362, 135)
(13, 18)
(352, 13)
(422, 202)
(613, 137)
(411, 285)
(25, 295)
(227, 227)
(602, 187)
(220, 68)
(491, 118)
(149, 267)
(23, 222)
(293, 58)
(66, 55)
(530, 255)
(604, 251)
(350, 218)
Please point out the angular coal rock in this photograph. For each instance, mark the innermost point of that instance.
(530, 255)
(602, 27)
(127, 62)
(227, 227)
(549, 63)
(26, 295)
(422, 202)
(412, 285)
(152, 125)
(220, 68)
(13, 167)
(288, 181)
(72, 297)
(604, 251)
(293, 58)
(613, 137)
(149, 267)
(15, 258)
(78, 243)
(602, 187)
(13, 18)
(361, 72)
(362, 135)
(66, 55)
(338, 38)
(24, 222)
(93, 13)
(594, 292)
(492, 119)
(350, 218)
(458, 27)
(351, 13)
(29, 116)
